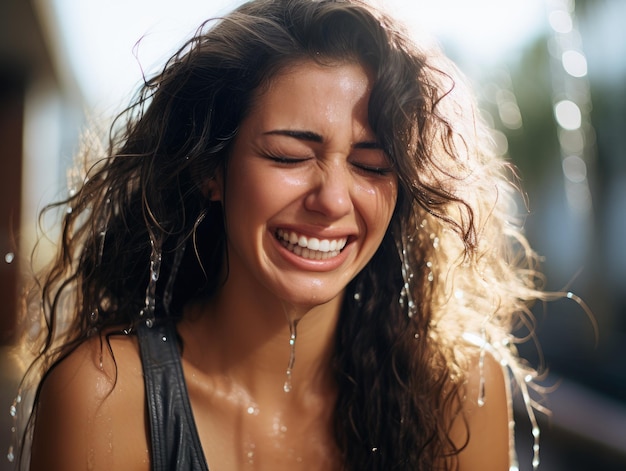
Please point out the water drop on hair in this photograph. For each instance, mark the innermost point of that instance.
(155, 268)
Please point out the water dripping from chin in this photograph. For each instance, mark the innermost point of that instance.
(293, 317)
(293, 335)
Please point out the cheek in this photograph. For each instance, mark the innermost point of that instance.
(378, 202)
(260, 194)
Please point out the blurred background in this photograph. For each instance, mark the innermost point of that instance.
(551, 79)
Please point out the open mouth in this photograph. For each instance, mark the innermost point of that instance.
(311, 248)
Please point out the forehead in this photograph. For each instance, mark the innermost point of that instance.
(311, 89)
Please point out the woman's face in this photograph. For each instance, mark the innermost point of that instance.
(307, 193)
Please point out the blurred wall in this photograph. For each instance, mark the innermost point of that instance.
(40, 115)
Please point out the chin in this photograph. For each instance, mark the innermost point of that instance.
(308, 299)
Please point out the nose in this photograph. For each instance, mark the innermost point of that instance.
(331, 192)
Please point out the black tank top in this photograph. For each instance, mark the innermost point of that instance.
(173, 435)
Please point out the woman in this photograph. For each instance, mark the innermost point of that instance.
(297, 253)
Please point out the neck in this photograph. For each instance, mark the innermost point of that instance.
(252, 343)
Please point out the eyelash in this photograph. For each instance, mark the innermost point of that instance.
(281, 159)
(382, 171)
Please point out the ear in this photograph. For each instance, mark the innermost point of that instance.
(212, 188)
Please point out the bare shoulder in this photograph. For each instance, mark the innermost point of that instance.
(90, 411)
(484, 425)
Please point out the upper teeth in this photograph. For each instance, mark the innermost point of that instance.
(312, 243)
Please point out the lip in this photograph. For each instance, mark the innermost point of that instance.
(312, 264)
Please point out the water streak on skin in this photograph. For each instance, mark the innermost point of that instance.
(293, 332)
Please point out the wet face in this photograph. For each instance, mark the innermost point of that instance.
(307, 193)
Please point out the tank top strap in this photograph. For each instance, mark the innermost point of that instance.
(175, 444)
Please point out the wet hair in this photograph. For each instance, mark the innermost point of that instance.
(453, 262)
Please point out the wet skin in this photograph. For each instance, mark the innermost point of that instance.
(307, 196)
(305, 166)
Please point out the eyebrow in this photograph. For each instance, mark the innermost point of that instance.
(300, 135)
(314, 137)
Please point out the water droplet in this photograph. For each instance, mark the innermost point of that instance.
(251, 453)
(357, 296)
(10, 455)
(293, 333)
(481, 370)
(155, 269)
(164, 338)
(252, 410)
(287, 385)
(13, 410)
(374, 449)
(406, 294)
(9, 257)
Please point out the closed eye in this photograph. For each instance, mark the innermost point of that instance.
(286, 160)
(373, 169)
